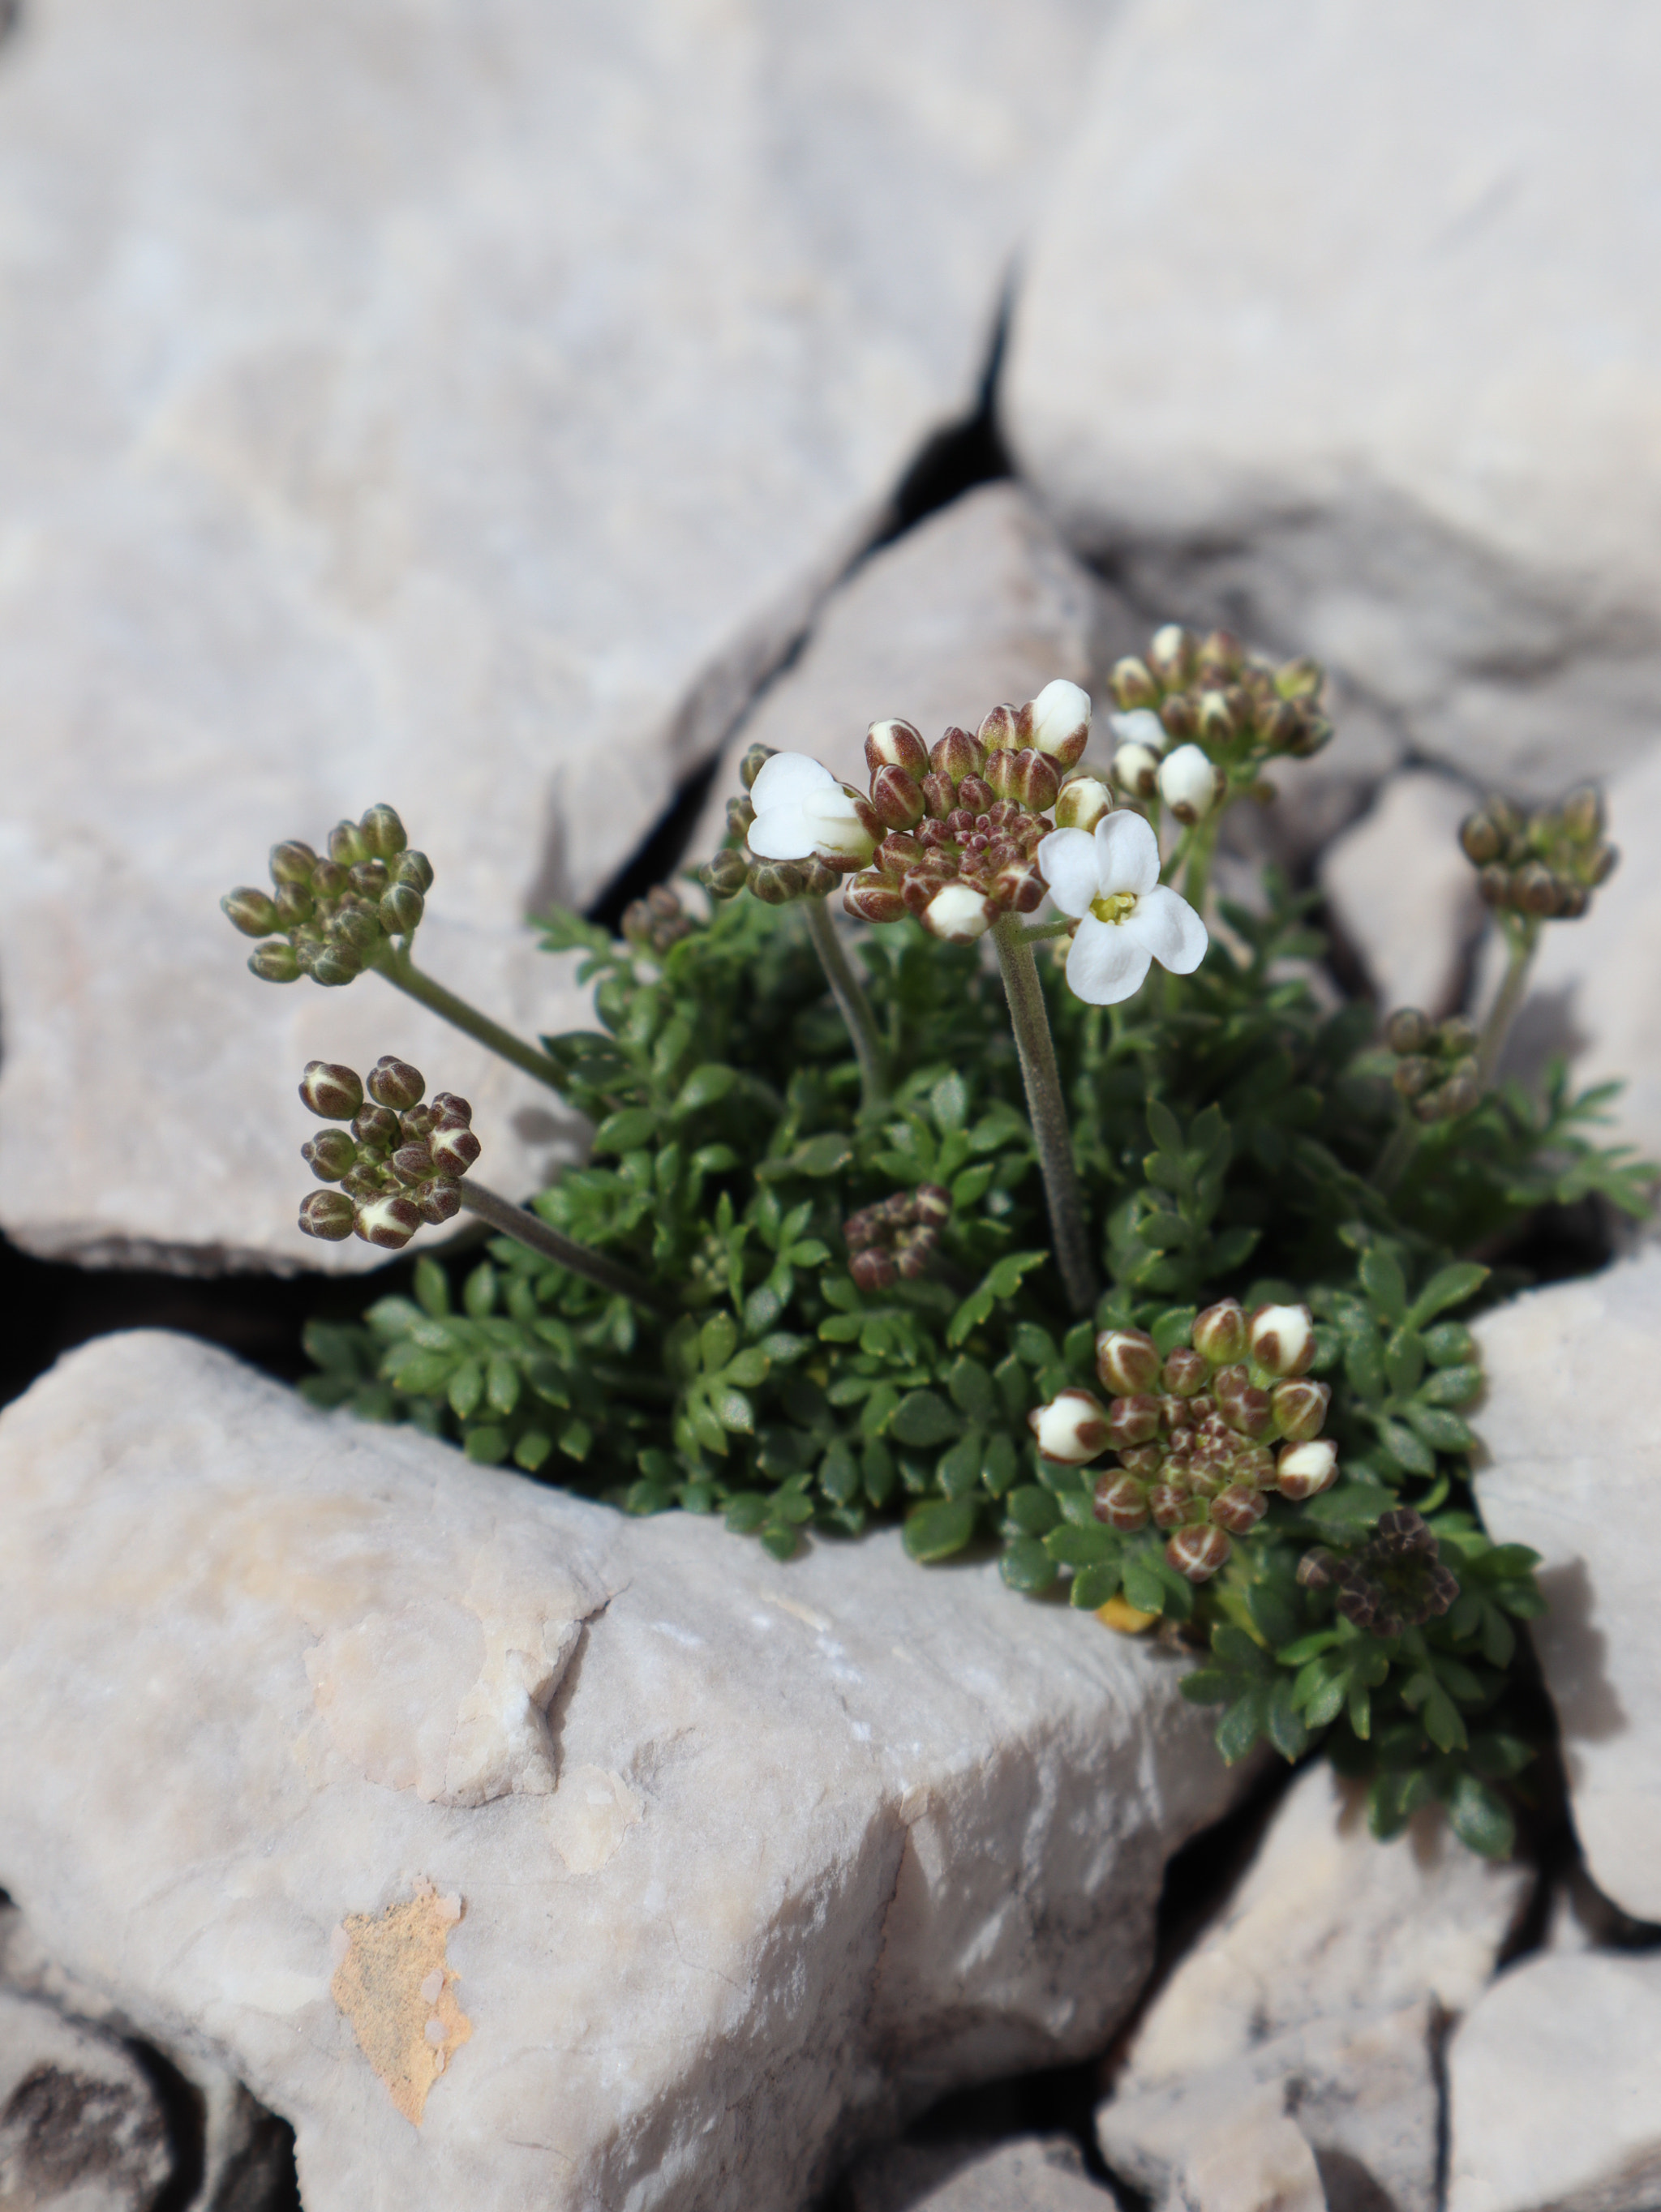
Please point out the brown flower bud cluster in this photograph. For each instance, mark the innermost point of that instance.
(400, 1162)
(1436, 1068)
(896, 1237)
(1397, 1580)
(1200, 1437)
(1238, 708)
(962, 820)
(736, 868)
(1542, 865)
(331, 918)
(656, 922)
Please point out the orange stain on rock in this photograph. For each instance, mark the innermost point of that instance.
(392, 1984)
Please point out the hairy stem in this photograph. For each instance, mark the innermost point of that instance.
(1201, 848)
(1520, 943)
(401, 971)
(1048, 1111)
(854, 1007)
(1392, 1161)
(529, 1229)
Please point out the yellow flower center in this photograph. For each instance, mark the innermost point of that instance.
(1114, 907)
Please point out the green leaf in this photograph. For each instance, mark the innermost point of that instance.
(1000, 1462)
(1480, 1819)
(1032, 1509)
(431, 1286)
(735, 1412)
(1381, 1278)
(1243, 1723)
(478, 1292)
(1093, 1586)
(467, 1388)
(1451, 1386)
(820, 1155)
(1142, 1587)
(958, 1470)
(973, 1391)
(1165, 1131)
(1082, 1548)
(1442, 1722)
(626, 1131)
(1438, 1427)
(748, 1368)
(923, 1417)
(1283, 1724)
(1404, 1362)
(1025, 1565)
(419, 1374)
(718, 1339)
(501, 1384)
(1449, 1344)
(1406, 1447)
(1448, 1286)
(948, 1102)
(1273, 1612)
(1172, 1327)
(704, 1086)
(936, 1530)
(489, 1447)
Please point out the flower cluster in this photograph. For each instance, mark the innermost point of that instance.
(1545, 863)
(330, 919)
(826, 817)
(656, 922)
(399, 1165)
(1397, 1580)
(1199, 717)
(896, 1237)
(1436, 1065)
(1194, 1433)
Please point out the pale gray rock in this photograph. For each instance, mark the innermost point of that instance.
(1553, 2090)
(1312, 340)
(81, 2128)
(694, 1870)
(1324, 1985)
(1573, 1469)
(1402, 894)
(457, 406)
(1257, 2160)
(1032, 2173)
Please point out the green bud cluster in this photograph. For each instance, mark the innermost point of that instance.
(1543, 865)
(1241, 709)
(1436, 1066)
(400, 1162)
(332, 917)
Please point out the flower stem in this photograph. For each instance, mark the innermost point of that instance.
(1521, 940)
(535, 1234)
(1392, 1161)
(1048, 1110)
(852, 1003)
(396, 965)
(1201, 848)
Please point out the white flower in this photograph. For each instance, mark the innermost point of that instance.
(801, 809)
(1109, 883)
(1187, 783)
(1140, 727)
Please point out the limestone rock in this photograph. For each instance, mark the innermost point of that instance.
(1403, 895)
(1573, 1469)
(1323, 1986)
(1257, 2161)
(461, 407)
(1554, 2094)
(737, 1864)
(81, 2128)
(1031, 2173)
(1312, 341)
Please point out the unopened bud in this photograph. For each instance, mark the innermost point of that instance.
(818, 878)
(1057, 722)
(412, 1163)
(437, 1201)
(328, 880)
(725, 875)
(276, 963)
(292, 863)
(1140, 727)
(959, 914)
(1081, 804)
(1120, 1501)
(357, 927)
(1493, 885)
(957, 755)
(1298, 679)
(1127, 1360)
(897, 745)
(1581, 814)
(1281, 1338)
(295, 904)
(382, 832)
(1132, 683)
(1136, 769)
(346, 845)
(369, 878)
(1300, 1409)
(1219, 1332)
(1480, 836)
(1172, 654)
(1188, 784)
(1239, 1508)
(1303, 1470)
(940, 795)
(1198, 1550)
(392, 1083)
(1072, 1428)
(414, 869)
(776, 882)
(1019, 888)
(872, 897)
(332, 1093)
(400, 910)
(1000, 732)
(1179, 718)
(976, 794)
(874, 1269)
(1219, 717)
(454, 1151)
(1132, 1420)
(1318, 1569)
(895, 797)
(1036, 782)
(327, 1213)
(330, 1155)
(377, 1131)
(389, 1222)
(249, 910)
(1245, 1408)
(1186, 1372)
(1534, 888)
(754, 761)
(449, 1111)
(1407, 1030)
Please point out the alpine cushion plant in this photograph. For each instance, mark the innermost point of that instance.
(1154, 1279)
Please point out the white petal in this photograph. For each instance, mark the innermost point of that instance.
(1168, 927)
(1140, 727)
(1068, 858)
(1060, 712)
(835, 820)
(784, 833)
(1127, 854)
(785, 781)
(1106, 964)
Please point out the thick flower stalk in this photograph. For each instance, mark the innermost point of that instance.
(1202, 1438)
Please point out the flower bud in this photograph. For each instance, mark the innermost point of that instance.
(1072, 1428)
(1132, 1420)
(1081, 804)
(1120, 1501)
(1179, 719)
(330, 1155)
(346, 845)
(1318, 1569)
(369, 879)
(1298, 679)
(295, 904)
(1035, 781)
(1407, 1030)
(1172, 654)
(1219, 1332)
(1412, 1075)
(819, 880)
(251, 911)
(400, 910)
(725, 875)
(1132, 683)
(1136, 769)
(327, 1213)
(1281, 1338)
(275, 961)
(998, 733)
(392, 1083)
(874, 1269)
(412, 1162)
(1057, 722)
(382, 832)
(897, 745)
(332, 1093)
(1303, 1470)
(414, 869)
(1185, 1373)
(377, 1132)
(357, 927)
(976, 795)
(895, 797)
(454, 1151)
(1127, 1360)
(956, 756)
(1221, 656)
(1198, 1551)
(292, 863)
(437, 1201)
(1246, 1409)
(776, 882)
(1188, 784)
(1167, 1506)
(1481, 839)
(1141, 726)
(388, 1222)
(1018, 888)
(755, 759)
(959, 914)
(940, 795)
(1239, 1508)
(872, 897)
(449, 1111)
(1300, 1409)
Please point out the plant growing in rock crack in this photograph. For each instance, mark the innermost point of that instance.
(1115, 1250)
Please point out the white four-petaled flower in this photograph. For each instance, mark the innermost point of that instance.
(801, 809)
(1109, 882)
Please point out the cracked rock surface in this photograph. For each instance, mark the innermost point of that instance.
(703, 1868)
